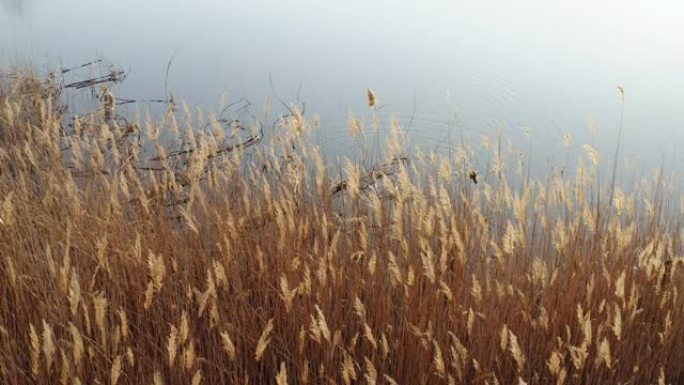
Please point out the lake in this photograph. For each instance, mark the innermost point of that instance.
(447, 69)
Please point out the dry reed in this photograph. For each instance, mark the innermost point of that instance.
(124, 261)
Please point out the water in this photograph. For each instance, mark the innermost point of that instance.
(446, 69)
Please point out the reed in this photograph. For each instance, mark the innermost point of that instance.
(156, 252)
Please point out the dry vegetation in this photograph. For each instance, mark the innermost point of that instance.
(240, 258)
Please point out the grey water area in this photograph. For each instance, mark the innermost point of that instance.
(450, 71)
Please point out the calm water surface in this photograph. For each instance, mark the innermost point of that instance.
(447, 69)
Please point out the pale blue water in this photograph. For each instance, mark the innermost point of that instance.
(451, 68)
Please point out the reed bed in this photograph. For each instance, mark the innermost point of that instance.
(157, 253)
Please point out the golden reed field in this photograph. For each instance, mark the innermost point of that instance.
(188, 250)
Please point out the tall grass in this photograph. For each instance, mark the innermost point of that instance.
(125, 260)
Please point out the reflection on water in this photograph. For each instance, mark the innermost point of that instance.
(13, 6)
(448, 69)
